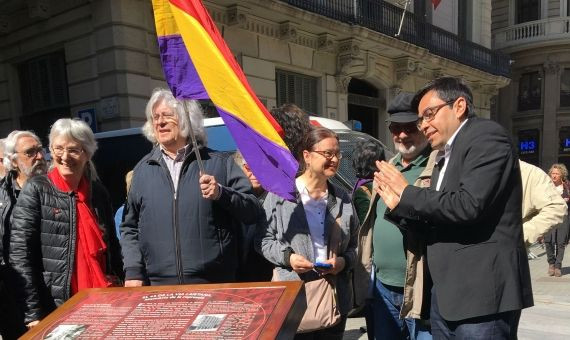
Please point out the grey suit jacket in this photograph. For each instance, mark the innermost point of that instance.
(286, 226)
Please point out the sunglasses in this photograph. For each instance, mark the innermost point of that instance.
(33, 151)
(406, 128)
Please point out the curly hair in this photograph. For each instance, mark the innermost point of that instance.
(295, 123)
(562, 168)
(364, 156)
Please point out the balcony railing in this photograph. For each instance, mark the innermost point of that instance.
(384, 17)
(533, 32)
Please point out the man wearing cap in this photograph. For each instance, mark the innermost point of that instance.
(389, 253)
(471, 216)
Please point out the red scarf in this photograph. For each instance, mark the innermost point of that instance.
(90, 258)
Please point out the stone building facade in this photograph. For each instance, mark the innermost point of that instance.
(340, 59)
(536, 105)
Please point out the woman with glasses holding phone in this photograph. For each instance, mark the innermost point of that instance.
(63, 237)
(315, 235)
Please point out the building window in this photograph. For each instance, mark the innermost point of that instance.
(565, 88)
(44, 84)
(530, 91)
(527, 10)
(298, 89)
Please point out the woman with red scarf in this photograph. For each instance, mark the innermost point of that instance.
(63, 237)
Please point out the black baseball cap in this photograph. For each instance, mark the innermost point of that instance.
(400, 109)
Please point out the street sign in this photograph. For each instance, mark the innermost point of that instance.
(88, 116)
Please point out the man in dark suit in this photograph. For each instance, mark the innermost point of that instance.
(471, 216)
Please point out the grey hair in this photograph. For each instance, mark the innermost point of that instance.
(10, 142)
(195, 116)
(238, 159)
(79, 131)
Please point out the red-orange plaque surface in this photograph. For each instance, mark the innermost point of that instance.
(266, 310)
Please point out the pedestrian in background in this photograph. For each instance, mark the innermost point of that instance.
(364, 156)
(119, 212)
(253, 267)
(555, 241)
(543, 207)
(23, 159)
(295, 123)
(63, 238)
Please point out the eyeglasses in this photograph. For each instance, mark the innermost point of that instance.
(328, 154)
(58, 151)
(33, 151)
(166, 115)
(408, 129)
(429, 114)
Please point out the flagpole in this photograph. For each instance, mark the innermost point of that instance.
(402, 20)
(193, 138)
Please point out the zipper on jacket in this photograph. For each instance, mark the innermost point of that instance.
(72, 245)
(179, 270)
(177, 256)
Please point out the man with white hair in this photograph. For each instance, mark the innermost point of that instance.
(23, 158)
(395, 259)
(180, 224)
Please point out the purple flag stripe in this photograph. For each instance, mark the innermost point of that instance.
(179, 71)
(269, 162)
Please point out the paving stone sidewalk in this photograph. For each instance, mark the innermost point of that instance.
(548, 319)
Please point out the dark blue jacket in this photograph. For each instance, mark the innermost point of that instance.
(184, 238)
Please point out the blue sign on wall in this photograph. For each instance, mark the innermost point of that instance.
(527, 147)
(88, 116)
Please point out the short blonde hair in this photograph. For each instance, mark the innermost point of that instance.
(562, 168)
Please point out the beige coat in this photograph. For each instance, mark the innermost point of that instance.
(415, 257)
(543, 208)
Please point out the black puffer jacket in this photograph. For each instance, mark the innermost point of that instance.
(43, 241)
(7, 201)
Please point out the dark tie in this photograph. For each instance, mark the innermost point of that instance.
(435, 173)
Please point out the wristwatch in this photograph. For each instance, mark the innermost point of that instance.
(287, 255)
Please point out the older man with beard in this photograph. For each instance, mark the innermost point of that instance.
(390, 244)
(23, 158)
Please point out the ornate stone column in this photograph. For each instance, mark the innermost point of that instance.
(549, 104)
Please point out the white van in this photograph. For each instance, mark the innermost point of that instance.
(120, 150)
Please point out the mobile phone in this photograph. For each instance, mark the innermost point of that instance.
(322, 265)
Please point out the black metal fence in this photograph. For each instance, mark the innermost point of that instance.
(385, 18)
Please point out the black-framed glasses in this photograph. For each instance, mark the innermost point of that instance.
(429, 114)
(58, 151)
(329, 154)
(407, 128)
(33, 151)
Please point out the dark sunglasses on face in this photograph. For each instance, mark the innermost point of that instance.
(406, 128)
(33, 151)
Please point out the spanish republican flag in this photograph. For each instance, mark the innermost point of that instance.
(198, 64)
